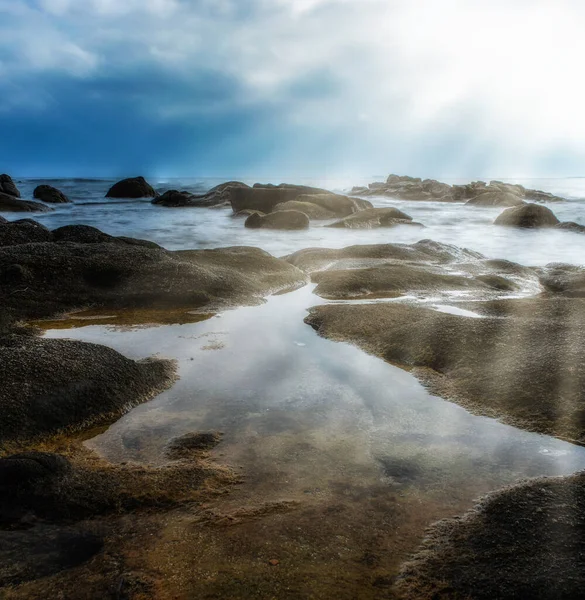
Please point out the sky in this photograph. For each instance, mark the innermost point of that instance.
(327, 88)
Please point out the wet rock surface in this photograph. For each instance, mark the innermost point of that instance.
(282, 219)
(133, 187)
(49, 194)
(185, 445)
(23, 231)
(523, 542)
(521, 365)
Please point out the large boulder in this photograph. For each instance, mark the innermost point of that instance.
(23, 231)
(313, 211)
(496, 198)
(527, 216)
(375, 217)
(282, 219)
(265, 199)
(220, 195)
(48, 193)
(12, 204)
(134, 187)
(80, 270)
(49, 385)
(7, 186)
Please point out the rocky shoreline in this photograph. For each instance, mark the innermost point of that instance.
(63, 509)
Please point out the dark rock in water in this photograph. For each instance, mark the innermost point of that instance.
(3, 220)
(7, 186)
(43, 551)
(116, 273)
(50, 385)
(23, 231)
(13, 204)
(527, 216)
(174, 198)
(341, 206)
(283, 219)
(525, 541)
(48, 193)
(571, 226)
(82, 234)
(220, 195)
(374, 217)
(193, 442)
(31, 467)
(538, 196)
(134, 187)
(248, 212)
(498, 198)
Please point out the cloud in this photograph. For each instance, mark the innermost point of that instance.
(439, 88)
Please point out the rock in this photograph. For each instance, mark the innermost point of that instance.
(49, 385)
(265, 199)
(538, 196)
(568, 280)
(134, 187)
(313, 211)
(496, 550)
(374, 217)
(189, 443)
(521, 363)
(3, 220)
(30, 467)
(49, 194)
(82, 234)
(114, 273)
(8, 187)
(220, 195)
(341, 206)
(246, 213)
(499, 198)
(571, 226)
(23, 231)
(174, 198)
(511, 188)
(284, 219)
(13, 204)
(527, 216)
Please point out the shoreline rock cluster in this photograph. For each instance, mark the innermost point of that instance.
(477, 193)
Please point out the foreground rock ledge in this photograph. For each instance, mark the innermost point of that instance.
(84, 267)
(526, 541)
(522, 363)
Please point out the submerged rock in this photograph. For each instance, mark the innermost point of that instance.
(174, 198)
(7, 186)
(48, 193)
(283, 219)
(134, 187)
(527, 216)
(526, 541)
(49, 385)
(185, 445)
(571, 226)
(13, 204)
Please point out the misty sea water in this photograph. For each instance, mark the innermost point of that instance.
(176, 228)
